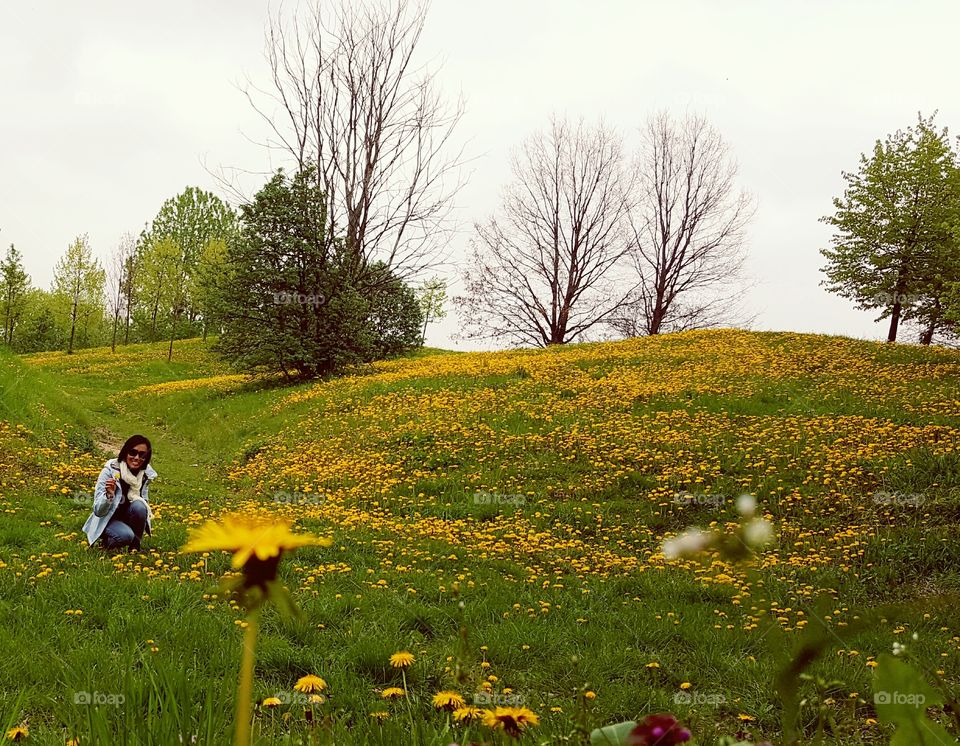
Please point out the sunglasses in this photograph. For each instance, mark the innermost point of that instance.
(138, 454)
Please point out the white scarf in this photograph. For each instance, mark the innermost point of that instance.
(134, 482)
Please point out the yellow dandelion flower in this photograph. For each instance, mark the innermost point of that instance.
(380, 715)
(447, 700)
(246, 536)
(403, 659)
(469, 712)
(392, 692)
(18, 733)
(512, 720)
(745, 718)
(310, 683)
(271, 702)
(590, 694)
(686, 685)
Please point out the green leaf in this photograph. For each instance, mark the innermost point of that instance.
(283, 600)
(612, 735)
(922, 733)
(902, 696)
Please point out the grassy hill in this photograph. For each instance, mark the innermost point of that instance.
(534, 486)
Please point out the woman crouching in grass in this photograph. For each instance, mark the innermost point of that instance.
(120, 508)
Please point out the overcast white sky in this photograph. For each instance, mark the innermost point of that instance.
(109, 108)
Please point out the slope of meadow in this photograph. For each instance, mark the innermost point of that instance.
(534, 486)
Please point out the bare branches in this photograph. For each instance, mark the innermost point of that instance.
(347, 96)
(688, 227)
(119, 279)
(550, 267)
(543, 273)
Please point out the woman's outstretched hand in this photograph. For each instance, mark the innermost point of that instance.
(111, 485)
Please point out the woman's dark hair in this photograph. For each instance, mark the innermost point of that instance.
(135, 440)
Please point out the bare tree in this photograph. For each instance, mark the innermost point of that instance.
(543, 273)
(353, 102)
(120, 285)
(688, 230)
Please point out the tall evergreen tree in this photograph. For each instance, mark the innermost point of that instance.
(275, 280)
(288, 299)
(15, 284)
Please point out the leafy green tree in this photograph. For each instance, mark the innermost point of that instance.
(432, 296)
(41, 327)
(156, 260)
(181, 231)
(395, 313)
(204, 283)
(78, 282)
(15, 284)
(894, 248)
(275, 296)
(289, 300)
(951, 310)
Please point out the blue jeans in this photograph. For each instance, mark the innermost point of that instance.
(126, 525)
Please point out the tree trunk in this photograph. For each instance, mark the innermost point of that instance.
(153, 321)
(659, 312)
(423, 335)
(126, 332)
(927, 337)
(73, 326)
(6, 319)
(655, 321)
(173, 333)
(894, 321)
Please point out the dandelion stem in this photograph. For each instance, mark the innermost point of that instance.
(245, 690)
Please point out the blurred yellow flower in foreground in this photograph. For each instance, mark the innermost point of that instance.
(246, 536)
(513, 720)
(18, 733)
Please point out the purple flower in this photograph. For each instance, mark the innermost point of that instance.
(658, 730)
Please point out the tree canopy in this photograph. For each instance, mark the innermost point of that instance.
(895, 247)
(288, 298)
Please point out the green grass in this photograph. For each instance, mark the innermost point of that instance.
(597, 632)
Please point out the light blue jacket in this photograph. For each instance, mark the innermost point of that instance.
(104, 507)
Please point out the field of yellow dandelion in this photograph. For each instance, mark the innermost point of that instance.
(496, 571)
